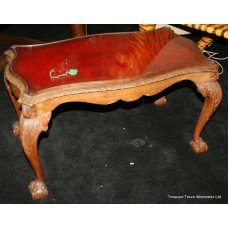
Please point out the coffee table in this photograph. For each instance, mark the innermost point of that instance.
(102, 69)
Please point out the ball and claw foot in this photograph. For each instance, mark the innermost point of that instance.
(38, 189)
(160, 101)
(16, 129)
(199, 146)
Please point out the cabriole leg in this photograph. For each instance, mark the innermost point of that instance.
(30, 130)
(213, 96)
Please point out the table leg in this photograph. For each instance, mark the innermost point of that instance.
(30, 130)
(213, 96)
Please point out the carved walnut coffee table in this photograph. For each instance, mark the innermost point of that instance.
(102, 69)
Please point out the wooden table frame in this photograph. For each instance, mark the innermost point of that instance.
(34, 112)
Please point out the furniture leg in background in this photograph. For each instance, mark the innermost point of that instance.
(78, 30)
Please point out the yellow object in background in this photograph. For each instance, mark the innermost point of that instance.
(203, 42)
(216, 29)
(146, 27)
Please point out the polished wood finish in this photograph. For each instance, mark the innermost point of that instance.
(151, 27)
(216, 29)
(101, 58)
(118, 54)
(133, 65)
(4, 38)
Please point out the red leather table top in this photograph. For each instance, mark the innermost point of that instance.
(105, 57)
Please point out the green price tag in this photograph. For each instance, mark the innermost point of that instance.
(73, 72)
